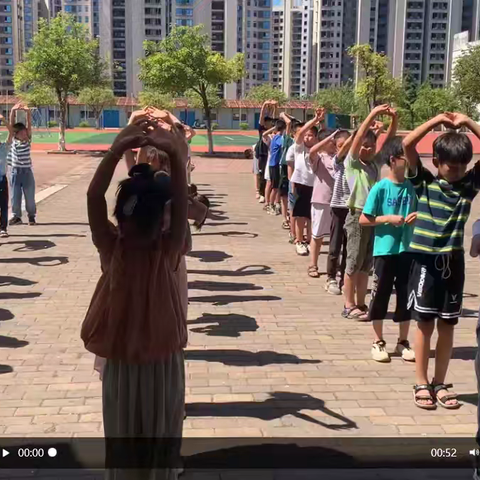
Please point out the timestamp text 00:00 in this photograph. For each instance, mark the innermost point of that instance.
(30, 452)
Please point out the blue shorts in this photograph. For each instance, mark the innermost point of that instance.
(292, 198)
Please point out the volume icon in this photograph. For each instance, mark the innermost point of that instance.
(475, 452)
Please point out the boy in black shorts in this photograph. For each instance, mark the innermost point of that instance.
(438, 266)
(390, 208)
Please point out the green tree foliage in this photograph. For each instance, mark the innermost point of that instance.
(184, 61)
(467, 81)
(96, 99)
(38, 97)
(262, 93)
(63, 59)
(432, 101)
(339, 100)
(376, 84)
(150, 98)
(406, 100)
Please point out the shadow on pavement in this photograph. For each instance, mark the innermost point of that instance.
(16, 296)
(222, 224)
(62, 224)
(241, 272)
(278, 405)
(210, 256)
(229, 325)
(5, 369)
(19, 282)
(222, 286)
(219, 300)
(471, 398)
(50, 235)
(469, 313)
(229, 234)
(11, 342)
(38, 261)
(32, 245)
(6, 315)
(243, 358)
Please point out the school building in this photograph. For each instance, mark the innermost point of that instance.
(229, 116)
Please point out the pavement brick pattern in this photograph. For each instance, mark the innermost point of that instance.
(268, 354)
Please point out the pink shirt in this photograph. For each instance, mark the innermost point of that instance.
(324, 169)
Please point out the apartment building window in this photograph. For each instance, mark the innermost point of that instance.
(184, 22)
(185, 12)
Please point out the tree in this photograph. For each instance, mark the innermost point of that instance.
(62, 58)
(262, 93)
(432, 101)
(339, 99)
(406, 100)
(96, 99)
(467, 85)
(185, 61)
(149, 98)
(39, 97)
(376, 85)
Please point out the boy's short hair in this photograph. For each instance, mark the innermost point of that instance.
(280, 125)
(370, 137)
(342, 133)
(18, 127)
(268, 119)
(391, 148)
(314, 130)
(324, 134)
(453, 147)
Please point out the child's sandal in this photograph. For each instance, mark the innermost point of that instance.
(313, 272)
(430, 396)
(445, 398)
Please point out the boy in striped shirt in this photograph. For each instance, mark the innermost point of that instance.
(20, 163)
(437, 276)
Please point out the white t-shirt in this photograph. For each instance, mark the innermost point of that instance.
(303, 174)
(290, 158)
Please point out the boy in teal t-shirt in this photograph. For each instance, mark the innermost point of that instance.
(390, 208)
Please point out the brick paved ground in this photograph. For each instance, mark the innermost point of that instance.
(268, 355)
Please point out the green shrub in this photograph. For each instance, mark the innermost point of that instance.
(52, 124)
(84, 124)
(215, 126)
(244, 126)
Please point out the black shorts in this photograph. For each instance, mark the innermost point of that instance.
(275, 176)
(435, 288)
(303, 203)
(284, 182)
(390, 270)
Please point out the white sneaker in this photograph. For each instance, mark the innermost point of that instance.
(278, 209)
(261, 200)
(3, 234)
(404, 349)
(332, 287)
(379, 352)
(301, 249)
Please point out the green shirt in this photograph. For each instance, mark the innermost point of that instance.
(443, 209)
(361, 177)
(389, 198)
(287, 143)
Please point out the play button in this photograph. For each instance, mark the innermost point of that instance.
(5, 453)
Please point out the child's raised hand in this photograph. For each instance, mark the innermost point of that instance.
(392, 112)
(459, 119)
(319, 114)
(396, 220)
(446, 119)
(411, 218)
(381, 110)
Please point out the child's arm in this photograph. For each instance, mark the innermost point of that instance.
(29, 122)
(9, 128)
(393, 127)
(411, 141)
(189, 133)
(266, 136)
(13, 113)
(263, 111)
(343, 152)
(365, 127)
(287, 119)
(371, 221)
(319, 116)
(316, 149)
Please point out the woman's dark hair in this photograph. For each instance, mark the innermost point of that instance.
(391, 148)
(141, 198)
(453, 147)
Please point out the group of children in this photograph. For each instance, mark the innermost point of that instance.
(15, 154)
(408, 226)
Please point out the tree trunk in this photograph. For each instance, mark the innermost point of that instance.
(412, 120)
(208, 113)
(63, 115)
(97, 120)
